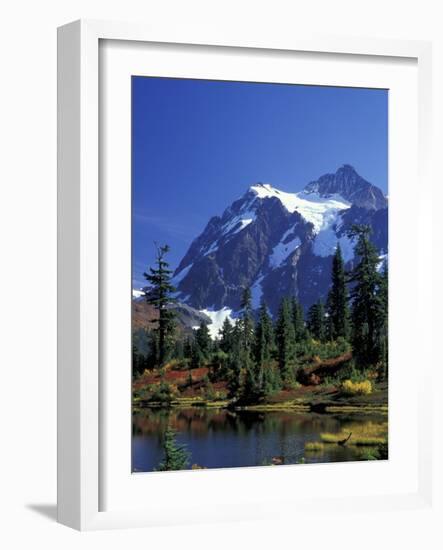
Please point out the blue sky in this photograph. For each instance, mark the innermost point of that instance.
(198, 145)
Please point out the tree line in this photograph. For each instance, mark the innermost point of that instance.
(257, 355)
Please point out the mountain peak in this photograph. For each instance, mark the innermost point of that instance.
(346, 168)
(259, 188)
(278, 243)
(347, 183)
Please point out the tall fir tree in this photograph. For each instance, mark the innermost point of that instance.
(137, 362)
(235, 362)
(176, 456)
(367, 309)
(261, 379)
(285, 339)
(264, 337)
(226, 335)
(203, 340)
(298, 320)
(160, 296)
(316, 321)
(247, 321)
(382, 337)
(250, 373)
(187, 347)
(337, 303)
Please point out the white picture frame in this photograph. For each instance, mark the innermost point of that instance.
(80, 205)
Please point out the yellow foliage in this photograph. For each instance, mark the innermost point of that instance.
(349, 387)
(369, 433)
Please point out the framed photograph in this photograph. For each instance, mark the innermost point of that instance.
(240, 276)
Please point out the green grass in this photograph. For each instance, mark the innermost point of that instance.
(382, 409)
(314, 446)
(199, 401)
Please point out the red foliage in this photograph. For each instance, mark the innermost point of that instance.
(172, 376)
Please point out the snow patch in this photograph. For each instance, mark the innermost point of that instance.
(177, 279)
(313, 208)
(137, 293)
(325, 243)
(282, 250)
(217, 319)
(212, 248)
(256, 292)
(347, 248)
(238, 223)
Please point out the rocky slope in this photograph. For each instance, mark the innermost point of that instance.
(280, 243)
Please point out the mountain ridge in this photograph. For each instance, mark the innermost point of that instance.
(279, 243)
(351, 186)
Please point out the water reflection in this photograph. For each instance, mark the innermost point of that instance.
(222, 439)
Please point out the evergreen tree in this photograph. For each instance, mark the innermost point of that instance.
(367, 309)
(247, 321)
(203, 340)
(271, 380)
(267, 377)
(264, 337)
(219, 365)
(197, 357)
(235, 362)
(179, 349)
(175, 456)
(160, 296)
(252, 384)
(285, 339)
(136, 370)
(187, 348)
(316, 321)
(226, 336)
(153, 352)
(383, 321)
(248, 376)
(337, 303)
(298, 320)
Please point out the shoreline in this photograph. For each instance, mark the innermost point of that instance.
(308, 407)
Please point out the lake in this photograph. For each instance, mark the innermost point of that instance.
(226, 439)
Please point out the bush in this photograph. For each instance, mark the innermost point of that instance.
(348, 387)
(159, 393)
(319, 351)
(207, 390)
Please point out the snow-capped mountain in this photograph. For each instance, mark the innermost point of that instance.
(279, 243)
(351, 187)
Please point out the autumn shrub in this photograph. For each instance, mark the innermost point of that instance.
(319, 351)
(207, 390)
(161, 392)
(348, 387)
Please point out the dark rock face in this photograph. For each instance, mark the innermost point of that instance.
(273, 243)
(352, 187)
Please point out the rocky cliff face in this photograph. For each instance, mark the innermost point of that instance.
(352, 187)
(280, 243)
